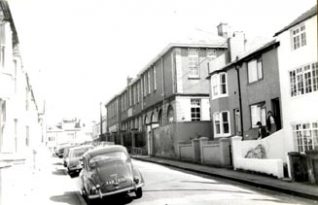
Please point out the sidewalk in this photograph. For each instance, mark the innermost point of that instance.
(294, 188)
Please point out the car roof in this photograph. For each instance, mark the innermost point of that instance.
(104, 150)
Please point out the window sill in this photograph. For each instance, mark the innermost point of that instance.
(254, 82)
(220, 96)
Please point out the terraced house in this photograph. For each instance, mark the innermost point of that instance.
(168, 102)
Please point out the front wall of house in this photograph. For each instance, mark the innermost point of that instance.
(261, 91)
(300, 108)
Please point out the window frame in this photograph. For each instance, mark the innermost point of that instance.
(219, 116)
(298, 83)
(195, 116)
(298, 32)
(259, 75)
(301, 141)
(194, 63)
(216, 85)
(262, 111)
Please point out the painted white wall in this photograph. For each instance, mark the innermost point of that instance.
(301, 108)
(183, 108)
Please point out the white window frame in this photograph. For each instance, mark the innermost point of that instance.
(138, 90)
(144, 84)
(216, 86)
(218, 116)
(298, 36)
(149, 80)
(305, 136)
(255, 70)
(258, 113)
(303, 80)
(154, 77)
(195, 103)
(193, 62)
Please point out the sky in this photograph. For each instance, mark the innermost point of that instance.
(79, 53)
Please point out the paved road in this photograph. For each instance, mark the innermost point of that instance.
(164, 186)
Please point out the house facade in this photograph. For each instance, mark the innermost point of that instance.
(243, 91)
(298, 75)
(167, 103)
(21, 119)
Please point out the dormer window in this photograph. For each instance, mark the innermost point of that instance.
(298, 36)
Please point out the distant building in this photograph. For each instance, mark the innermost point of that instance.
(69, 131)
(168, 102)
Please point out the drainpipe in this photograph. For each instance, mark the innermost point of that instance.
(240, 99)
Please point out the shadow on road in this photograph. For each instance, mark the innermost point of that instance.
(121, 199)
(67, 198)
(59, 172)
(58, 163)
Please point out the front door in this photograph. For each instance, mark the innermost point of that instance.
(276, 112)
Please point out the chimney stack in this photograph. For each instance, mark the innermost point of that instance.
(223, 30)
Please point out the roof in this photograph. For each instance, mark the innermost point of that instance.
(104, 150)
(308, 14)
(248, 55)
(4, 6)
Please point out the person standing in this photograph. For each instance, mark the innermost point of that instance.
(270, 123)
(262, 133)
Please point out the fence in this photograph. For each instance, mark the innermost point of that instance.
(215, 153)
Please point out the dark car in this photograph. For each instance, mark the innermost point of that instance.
(109, 171)
(66, 152)
(73, 163)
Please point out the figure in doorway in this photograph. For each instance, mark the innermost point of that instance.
(270, 123)
(262, 133)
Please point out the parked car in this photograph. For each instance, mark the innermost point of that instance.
(60, 150)
(73, 163)
(109, 171)
(66, 152)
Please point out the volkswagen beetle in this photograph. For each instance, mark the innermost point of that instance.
(109, 171)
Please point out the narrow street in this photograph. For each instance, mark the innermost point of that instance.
(50, 184)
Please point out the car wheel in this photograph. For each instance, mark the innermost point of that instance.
(138, 193)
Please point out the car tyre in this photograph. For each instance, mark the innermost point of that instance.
(138, 193)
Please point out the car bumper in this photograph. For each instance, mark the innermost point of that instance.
(128, 189)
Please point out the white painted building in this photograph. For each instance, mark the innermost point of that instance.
(20, 121)
(298, 73)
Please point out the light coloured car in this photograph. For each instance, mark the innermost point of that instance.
(109, 171)
(73, 161)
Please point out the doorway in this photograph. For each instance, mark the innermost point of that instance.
(276, 112)
(237, 122)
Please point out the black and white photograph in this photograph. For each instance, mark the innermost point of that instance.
(158, 102)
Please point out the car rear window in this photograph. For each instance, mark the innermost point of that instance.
(108, 156)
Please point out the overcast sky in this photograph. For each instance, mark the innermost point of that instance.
(80, 52)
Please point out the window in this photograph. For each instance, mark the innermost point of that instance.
(138, 91)
(145, 85)
(2, 44)
(193, 62)
(221, 123)
(195, 109)
(170, 114)
(304, 79)
(210, 53)
(306, 136)
(154, 78)
(258, 114)
(219, 85)
(298, 36)
(149, 80)
(255, 70)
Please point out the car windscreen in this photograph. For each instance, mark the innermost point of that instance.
(105, 157)
(79, 152)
